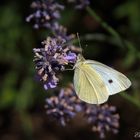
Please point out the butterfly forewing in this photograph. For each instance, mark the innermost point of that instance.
(89, 85)
(114, 80)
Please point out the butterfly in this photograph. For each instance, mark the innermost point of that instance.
(94, 82)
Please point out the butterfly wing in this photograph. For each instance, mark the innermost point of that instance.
(89, 86)
(114, 80)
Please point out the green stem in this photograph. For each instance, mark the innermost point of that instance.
(131, 99)
(106, 26)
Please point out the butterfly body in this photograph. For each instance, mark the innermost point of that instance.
(94, 81)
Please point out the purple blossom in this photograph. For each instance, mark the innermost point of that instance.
(46, 13)
(70, 57)
(51, 84)
(64, 106)
(51, 59)
(103, 118)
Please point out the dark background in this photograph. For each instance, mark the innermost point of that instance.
(22, 98)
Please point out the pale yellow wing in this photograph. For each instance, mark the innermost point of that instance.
(114, 80)
(89, 86)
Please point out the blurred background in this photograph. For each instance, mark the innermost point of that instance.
(22, 98)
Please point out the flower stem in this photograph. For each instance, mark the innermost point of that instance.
(131, 99)
(106, 26)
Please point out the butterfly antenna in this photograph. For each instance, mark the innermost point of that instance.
(79, 42)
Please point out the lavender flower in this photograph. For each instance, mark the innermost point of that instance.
(46, 13)
(103, 118)
(64, 106)
(52, 58)
(61, 31)
(80, 4)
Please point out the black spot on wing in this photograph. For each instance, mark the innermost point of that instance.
(110, 81)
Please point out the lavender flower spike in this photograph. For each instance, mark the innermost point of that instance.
(103, 118)
(63, 107)
(45, 13)
(51, 59)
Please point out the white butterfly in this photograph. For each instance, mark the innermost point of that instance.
(94, 81)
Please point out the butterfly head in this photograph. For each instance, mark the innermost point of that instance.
(80, 57)
(80, 60)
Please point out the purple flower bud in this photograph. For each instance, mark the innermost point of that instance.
(71, 57)
(50, 85)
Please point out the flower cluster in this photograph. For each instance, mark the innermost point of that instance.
(103, 118)
(80, 4)
(52, 58)
(66, 105)
(46, 13)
